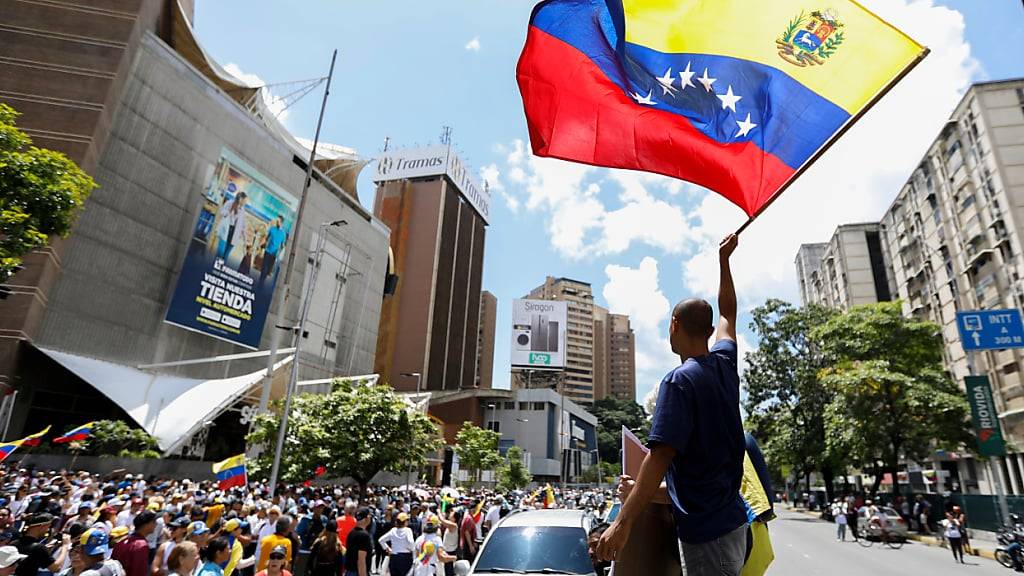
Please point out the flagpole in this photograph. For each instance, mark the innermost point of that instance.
(835, 137)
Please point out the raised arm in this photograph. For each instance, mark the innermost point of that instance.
(726, 290)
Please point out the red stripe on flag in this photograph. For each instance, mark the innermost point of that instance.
(236, 480)
(575, 112)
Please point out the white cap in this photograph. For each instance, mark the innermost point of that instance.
(9, 555)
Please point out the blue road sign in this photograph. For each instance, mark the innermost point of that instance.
(990, 329)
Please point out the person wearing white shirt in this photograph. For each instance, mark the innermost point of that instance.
(429, 550)
(492, 516)
(398, 544)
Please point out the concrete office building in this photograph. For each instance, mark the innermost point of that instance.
(126, 90)
(850, 269)
(578, 382)
(621, 358)
(430, 326)
(614, 356)
(600, 352)
(955, 231)
(485, 340)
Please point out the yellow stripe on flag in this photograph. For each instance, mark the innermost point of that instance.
(232, 462)
(36, 435)
(871, 52)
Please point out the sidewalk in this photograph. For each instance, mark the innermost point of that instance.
(983, 543)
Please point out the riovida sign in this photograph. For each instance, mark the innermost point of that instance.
(434, 161)
(984, 415)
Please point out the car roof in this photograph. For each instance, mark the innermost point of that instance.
(555, 517)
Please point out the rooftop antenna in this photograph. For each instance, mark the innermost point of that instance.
(387, 142)
(446, 135)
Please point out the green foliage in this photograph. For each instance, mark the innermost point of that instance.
(513, 474)
(831, 45)
(892, 397)
(612, 414)
(113, 438)
(477, 449)
(793, 26)
(356, 430)
(785, 401)
(41, 192)
(609, 470)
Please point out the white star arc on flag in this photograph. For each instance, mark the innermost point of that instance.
(745, 127)
(643, 99)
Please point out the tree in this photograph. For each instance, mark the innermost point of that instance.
(356, 430)
(113, 438)
(612, 414)
(785, 400)
(512, 474)
(41, 192)
(891, 397)
(477, 449)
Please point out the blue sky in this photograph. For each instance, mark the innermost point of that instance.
(406, 68)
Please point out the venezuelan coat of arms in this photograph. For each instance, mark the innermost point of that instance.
(811, 39)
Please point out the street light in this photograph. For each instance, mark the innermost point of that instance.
(494, 415)
(417, 376)
(299, 331)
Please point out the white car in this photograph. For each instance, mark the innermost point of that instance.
(535, 542)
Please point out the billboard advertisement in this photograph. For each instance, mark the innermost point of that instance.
(234, 255)
(538, 334)
(434, 161)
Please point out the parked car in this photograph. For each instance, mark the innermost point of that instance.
(897, 525)
(535, 541)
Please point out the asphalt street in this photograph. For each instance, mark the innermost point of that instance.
(805, 546)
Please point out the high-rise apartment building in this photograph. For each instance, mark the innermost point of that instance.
(485, 340)
(621, 358)
(438, 217)
(579, 364)
(955, 232)
(601, 342)
(850, 269)
(952, 241)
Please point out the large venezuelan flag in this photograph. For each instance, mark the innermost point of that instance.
(735, 95)
(230, 472)
(35, 439)
(7, 448)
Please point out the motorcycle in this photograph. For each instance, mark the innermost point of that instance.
(1010, 552)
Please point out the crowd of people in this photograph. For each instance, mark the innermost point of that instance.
(74, 524)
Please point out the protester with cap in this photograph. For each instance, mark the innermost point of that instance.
(31, 544)
(429, 549)
(126, 517)
(398, 545)
(163, 552)
(278, 538)
(133, 552)
(95, 545)
(9, 558)
(359, 546)
(233, 530)
(198, 533)
(277, 563)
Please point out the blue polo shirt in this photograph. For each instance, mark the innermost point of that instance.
(698, 413)
(275, 238)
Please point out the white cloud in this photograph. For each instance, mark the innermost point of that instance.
(275, 104)
(473, 45)
(580, 222)
(492, 176)
(858, 177)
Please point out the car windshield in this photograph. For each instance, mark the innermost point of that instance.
(536, 549)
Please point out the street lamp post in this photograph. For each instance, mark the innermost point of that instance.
(419, 379)
(293, 377)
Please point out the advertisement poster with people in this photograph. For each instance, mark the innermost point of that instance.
(234, 256)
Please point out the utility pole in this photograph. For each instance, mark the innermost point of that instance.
(283, 305)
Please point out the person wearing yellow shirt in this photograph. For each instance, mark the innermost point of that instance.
(278, 538)
(233, 529)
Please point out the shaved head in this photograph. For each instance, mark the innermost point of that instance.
(694, 317)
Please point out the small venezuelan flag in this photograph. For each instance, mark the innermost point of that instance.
(230, 472)
(76, 435)
(738, 96)
(7, 448)
(35, 439)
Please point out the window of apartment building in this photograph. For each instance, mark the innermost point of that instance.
(1010, 368)
(1020, 98)
(540, 406)
(524, 405)
(494, 425)
(510, 405)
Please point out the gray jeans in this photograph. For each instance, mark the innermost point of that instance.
(722, 556)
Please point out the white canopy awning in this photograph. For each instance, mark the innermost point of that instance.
(171, 408)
